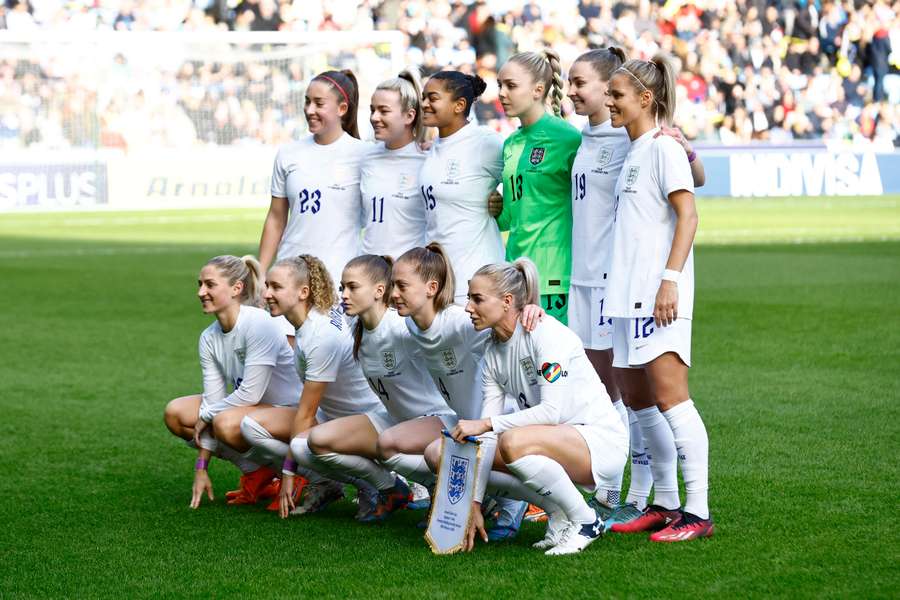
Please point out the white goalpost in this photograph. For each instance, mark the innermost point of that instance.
(163, 120)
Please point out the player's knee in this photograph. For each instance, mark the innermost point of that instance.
(318, 441)
(172, 418)
(299, 447)
(513, 445)
(433, 455)
(252, 431)
(227, 428)
(636, 399)
(387, 445)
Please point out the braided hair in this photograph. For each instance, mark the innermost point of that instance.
(544, 67)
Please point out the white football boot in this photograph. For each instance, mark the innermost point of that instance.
(556, 526)
(577, 537)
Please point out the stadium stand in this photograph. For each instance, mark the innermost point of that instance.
(777, 70)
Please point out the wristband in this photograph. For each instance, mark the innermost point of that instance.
(692, 157)
(201, 464)
(289, 467)
(671, 275)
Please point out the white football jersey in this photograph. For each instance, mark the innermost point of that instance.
(594, 174)
(645, 226)
(394, 214)
(453, 350)
(458, 175)
(393, 365)
(324, 353)
(551, 378)
(321, 184)
(256, 339)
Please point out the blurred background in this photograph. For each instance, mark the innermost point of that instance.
(808, 76)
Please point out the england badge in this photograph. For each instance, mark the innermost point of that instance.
(456, 482)
(537, 155)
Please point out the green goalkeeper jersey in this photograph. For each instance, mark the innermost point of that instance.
(537, 198)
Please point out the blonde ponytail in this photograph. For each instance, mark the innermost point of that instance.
(245, 269)
(519, 279)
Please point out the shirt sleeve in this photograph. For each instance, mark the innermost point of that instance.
(491, 157)
(323, 358)
(248, 393)
(279, 177)
(264, 342)
(673, 171)
(214, 385)
(494, 398)
(553, 376)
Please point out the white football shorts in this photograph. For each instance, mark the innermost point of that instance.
(638, 341)
(586, 317)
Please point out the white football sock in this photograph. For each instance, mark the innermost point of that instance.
(310, 466)
(411, 466)
(548, 478)
(504, 485)
(265, 445)
(693, 454)
(664, 466)
(244, 463)
(611, 493)
(641, 477)
(356, 466)
(623, 412)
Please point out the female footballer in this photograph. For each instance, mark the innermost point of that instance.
(315, 181)
(423, 292)
(537, 170)
(594, 173)
(302, 290)
(246, 350)
(389, 180)
(565, 432)
(650, 294)
(462, 168)
(395, 371)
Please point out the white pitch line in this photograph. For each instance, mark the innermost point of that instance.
(108, 251)
(146, 220)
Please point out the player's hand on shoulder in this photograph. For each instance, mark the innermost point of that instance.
(531, 316)
(676, 134)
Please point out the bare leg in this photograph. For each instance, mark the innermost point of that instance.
(227, 425)
(181, 415)
(602, 362)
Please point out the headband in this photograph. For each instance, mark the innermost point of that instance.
(633, 76)
(337, 85)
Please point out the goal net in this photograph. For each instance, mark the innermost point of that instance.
(163, 120)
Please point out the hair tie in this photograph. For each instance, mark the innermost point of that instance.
(337, 85)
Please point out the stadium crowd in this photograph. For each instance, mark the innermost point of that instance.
(776, 70)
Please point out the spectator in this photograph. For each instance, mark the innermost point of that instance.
(749, 69)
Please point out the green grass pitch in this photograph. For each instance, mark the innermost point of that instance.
(797, 375)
